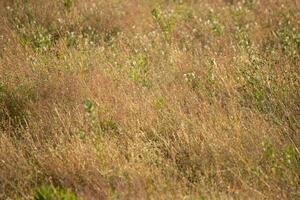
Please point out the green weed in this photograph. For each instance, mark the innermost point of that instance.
(216, 27)
(140, 70)
(160, 103)
(67, 4)
(165, 21)
(91, 115)
(95, 122)
(289, 40)
(51, 193)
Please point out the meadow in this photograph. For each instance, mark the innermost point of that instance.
(149, 99)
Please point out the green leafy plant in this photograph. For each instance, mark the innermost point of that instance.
(268, 150)
(140, 71)
(96, 123)
(242, 38)
(256, 86)
(216, 27)
(71, 39)
(290, 157)
(108, 125)
(67, 4)
(38, 37)
(249, 4)
(51, 193)
(91, 114)
(289, 39)
(165, 23)
(160, 103)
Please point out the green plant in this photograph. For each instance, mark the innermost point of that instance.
(51, 193)
(290, 157)
(109, 125)
(96, 124)
(289, 39)
(255, 84)
(160, 103)
(216, 27)
(71, 39)
(165, 22)
(206, 84)
(67, 4)
(249, 4)
(38, 37)
(268, 150)
(91, 115)
(140, 71)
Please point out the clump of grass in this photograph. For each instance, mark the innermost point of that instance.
(140, 71)
(155, 100)
(68, 4)
(165, 21)
(51, 193)
(216, 26)
(15, 102)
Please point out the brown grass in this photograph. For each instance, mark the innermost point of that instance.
(150, 99)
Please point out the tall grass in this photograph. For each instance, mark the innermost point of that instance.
(140, 99)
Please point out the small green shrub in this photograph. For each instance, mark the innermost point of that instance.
(91, 115)
(36, 36)
(288, 39)
(159, 103)
(67, 4)
(268, 150)
(52, 193)
(290, 158)
(249, 4)
(216, 27)
(140, 71)
(108, 125)
(165, 21)
(71, 39)
(255, 83)
(95, 122)
(206, 85)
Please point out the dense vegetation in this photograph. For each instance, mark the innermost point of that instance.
(149, 99)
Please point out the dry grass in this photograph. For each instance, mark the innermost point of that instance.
(141, 99)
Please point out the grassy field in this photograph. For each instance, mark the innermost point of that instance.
(149, 99)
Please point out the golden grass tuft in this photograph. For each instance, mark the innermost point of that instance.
(149, 99)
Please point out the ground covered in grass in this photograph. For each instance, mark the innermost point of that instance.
(149, 99)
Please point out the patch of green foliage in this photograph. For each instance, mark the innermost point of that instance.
(165, 21)
(51, 193)
(140, 71)
(95, 122)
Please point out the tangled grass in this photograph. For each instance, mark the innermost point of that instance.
(157, 99)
